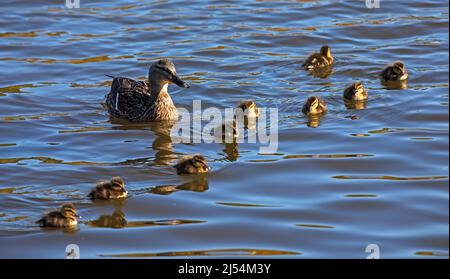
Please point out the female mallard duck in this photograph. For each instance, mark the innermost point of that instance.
(320, 59)
(314, 106)
(395, 72)
(109, 189)
(65, 217)
(145, 100)
(192, 164)
(356, 92)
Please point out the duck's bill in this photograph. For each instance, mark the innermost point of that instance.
(78, 216)
(181, 83)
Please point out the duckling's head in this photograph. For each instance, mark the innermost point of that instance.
(326, 51)
(199, 162)
(117, 184)
(68, 211)
(249, 107)
(399, 68)
(163, 71)
(314, 105)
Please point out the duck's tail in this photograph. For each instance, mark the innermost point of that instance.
(110, 76)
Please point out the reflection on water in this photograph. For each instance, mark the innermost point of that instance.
(323, 72)
(117, 220)
(199, 183)
(314, 120)
(231, 150)
(395, 85)
(358, 105)
(358, 177)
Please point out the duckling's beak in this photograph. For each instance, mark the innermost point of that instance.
(178, 81)
(78, 216)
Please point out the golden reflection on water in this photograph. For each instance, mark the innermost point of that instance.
(314, 121)
(395, 85)
(357, 105)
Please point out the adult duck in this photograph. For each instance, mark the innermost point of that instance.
(136, 100)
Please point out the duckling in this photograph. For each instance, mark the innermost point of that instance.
(112, 189)
(65, 217)
(320, 59)
(247, 112)
(356, 92)
(192, 164)
(314, 105)
(395, 72)
(145, 100)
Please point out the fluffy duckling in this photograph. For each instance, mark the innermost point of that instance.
(319, 59)
(247, 113)
(314, 106)
(109, 189)
(395, 72)
(65, 217)
(192, 165)
(356, 92)
(145, 100)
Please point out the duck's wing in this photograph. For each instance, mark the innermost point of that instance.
(128, 98)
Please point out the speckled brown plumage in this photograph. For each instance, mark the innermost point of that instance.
(65, 217)
(314, 105)
(192, 164)
(394, 72)
(319, 59)
(135, 100)
(356, 92)
(109, 189)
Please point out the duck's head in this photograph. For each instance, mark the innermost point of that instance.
(326, 51)
(199, 162)
(314, 105)
(68, 211)
(117, 184)
(399, 69)
(163, 71)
